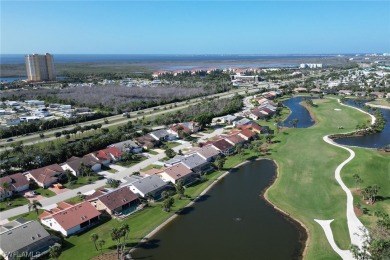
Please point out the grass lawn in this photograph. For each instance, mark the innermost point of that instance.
(45, 192)
(142, 222)
(152, 166)
(16, 201)
(171, 144)
(31, 215)
(380, 102)
(152, 152)
(84, 180)
(112, 170)
(74, 200)
(131, 162)
(306, 187)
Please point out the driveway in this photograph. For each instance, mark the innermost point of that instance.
(28, 195)
(58, 191)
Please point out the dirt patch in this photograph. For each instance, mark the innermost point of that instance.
(358, 212)
(106, 256)
(58, 191)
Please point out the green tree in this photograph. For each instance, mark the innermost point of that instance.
(101, 243)
(220, 162)
(168, 203)
(170, 152)
(94, 237)
(55, 251)
(180, 188)
(203, 120)
(34, 205)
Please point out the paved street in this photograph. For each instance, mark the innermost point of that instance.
(123, 172)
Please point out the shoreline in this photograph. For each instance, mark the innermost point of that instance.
(303, 103)
(378, 106)
(171, 218)
(302, 229)
(304, 235)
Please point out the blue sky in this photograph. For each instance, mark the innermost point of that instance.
(218, 27)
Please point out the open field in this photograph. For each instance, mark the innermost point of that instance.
(380, 102)
(306, 187)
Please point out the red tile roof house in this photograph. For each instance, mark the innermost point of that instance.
(117, 201)
(74, 164)
(223, 146)
(107, 155)
(247, 134)
(253, 127)
(235, 139)
(17, 182)
(70, 219)
(176, 173)
(258, 113)
(45, 176)
(208, 152)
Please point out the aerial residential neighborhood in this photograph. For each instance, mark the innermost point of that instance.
(207, 130)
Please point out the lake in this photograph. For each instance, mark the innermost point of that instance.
(232, 221)
(376, 140)
(297, 112)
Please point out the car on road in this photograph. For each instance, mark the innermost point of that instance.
(10, 140)
(33, 192)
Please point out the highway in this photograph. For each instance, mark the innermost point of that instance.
(154, 111)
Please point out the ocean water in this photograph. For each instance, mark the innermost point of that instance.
(94, 58)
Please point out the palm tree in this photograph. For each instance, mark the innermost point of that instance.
(34, 205)
(125, 230)
(6, 187)
(55, 251)
(116, 235)
(94, 237)
(101, 243)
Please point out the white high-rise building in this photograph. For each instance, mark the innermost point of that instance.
(40, 67)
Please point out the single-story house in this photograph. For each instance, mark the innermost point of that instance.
(16, 182)
(187, 127)
(128, 146)
(208, 152)
(70, 219)
(253, 127)
(162, 135)
(74, 164)
(243, 121)
(377, 94)
(150, 186)
(108, 155)
(300, 90)
(196, 163)
(147, 141)
(117, 201)
(345, 92)
(176, 173)
(235, 139)
(223, 147)
(388, 95)
(25, 238)
(360, 93)
(316, 90)
(259, 113)
(247, 134)
(45, 176)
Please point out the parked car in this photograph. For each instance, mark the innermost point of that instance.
(10, 140)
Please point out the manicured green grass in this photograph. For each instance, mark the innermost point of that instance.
(171, 144)
(15, 201)
(131, 162)
(152, 152)
(143, 222)
(112, 170)
(31, 215)
(74, 200)
(306, 187)
(152, 166)
(45, 192)
(373, 167)
(83, 180)
(380, 102)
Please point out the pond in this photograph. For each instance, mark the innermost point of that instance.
(297, 112)
(232, 221)
(376, 140)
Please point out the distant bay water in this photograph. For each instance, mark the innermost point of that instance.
(141, 58)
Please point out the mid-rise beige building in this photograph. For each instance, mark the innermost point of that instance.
(40, 67)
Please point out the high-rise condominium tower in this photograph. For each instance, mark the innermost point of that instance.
(40, 67)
